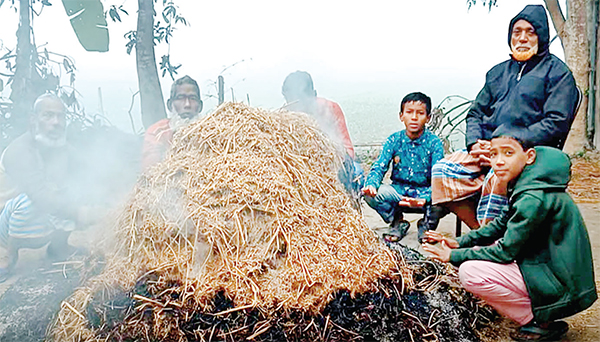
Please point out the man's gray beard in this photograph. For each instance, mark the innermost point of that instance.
(50, 142)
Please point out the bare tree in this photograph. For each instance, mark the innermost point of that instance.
(572, 31)
(151, 97)
(148, 33)
(22, 91)
(594, 93)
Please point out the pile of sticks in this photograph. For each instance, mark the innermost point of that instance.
(247, 206)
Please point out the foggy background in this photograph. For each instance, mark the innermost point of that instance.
(364, 55)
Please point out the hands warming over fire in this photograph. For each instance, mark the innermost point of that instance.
(369, 190)
(441, 252)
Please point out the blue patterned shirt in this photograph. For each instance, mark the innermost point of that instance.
(411, 175)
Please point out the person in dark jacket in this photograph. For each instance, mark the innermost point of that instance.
(532, 94)
(40, 200)
(534, 262)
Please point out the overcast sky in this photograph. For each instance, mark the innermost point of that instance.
(353, 49)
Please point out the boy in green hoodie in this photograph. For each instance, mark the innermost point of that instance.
(533, 263)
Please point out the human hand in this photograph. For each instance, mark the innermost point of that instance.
(484, 160)
(481, 150)
(482, 145)
(441, 253)
(412, 202)
(369, 190)
(432, 236)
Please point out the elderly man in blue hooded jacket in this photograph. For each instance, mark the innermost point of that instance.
(532, 95)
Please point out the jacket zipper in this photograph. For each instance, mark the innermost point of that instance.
(521, 72)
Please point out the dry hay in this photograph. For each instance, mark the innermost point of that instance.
(248, 205)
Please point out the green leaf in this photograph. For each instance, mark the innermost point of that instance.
(114, 15)
(131, 36)
(169, 12)
(67, 65)
(129, 47)
(88, 22)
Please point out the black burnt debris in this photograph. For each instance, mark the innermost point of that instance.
(436, 310)
(442, 312)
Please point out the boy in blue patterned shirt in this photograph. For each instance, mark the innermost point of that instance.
(411, 152)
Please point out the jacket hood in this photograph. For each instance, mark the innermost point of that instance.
(536, 16)
(550, 171)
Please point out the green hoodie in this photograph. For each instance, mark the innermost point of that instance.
(543, 231)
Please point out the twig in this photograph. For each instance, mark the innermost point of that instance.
(264, 328)
(325, 328)
(130, 109)
(73, 309)
(234, 310)
(145, 299)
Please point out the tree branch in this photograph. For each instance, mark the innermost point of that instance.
(557, 16)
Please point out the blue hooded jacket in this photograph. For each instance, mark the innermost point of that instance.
(535, 100)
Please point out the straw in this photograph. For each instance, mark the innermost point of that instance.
(248, 204)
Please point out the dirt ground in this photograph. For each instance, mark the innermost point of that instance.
(585, 189)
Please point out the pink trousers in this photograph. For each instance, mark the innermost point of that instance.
(500, 285)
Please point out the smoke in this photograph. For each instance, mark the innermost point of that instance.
(331, 126)
(107, 163)
(104, 167)
(324, 113)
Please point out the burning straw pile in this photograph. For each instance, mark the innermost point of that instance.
(247, 209)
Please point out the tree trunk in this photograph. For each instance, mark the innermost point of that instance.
(151, 98)
(594, 105)
(573, 35)
(22, 90)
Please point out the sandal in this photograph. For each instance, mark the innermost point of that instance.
(392, 237)
(422, 227)
(551, 331)
(397, 232)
